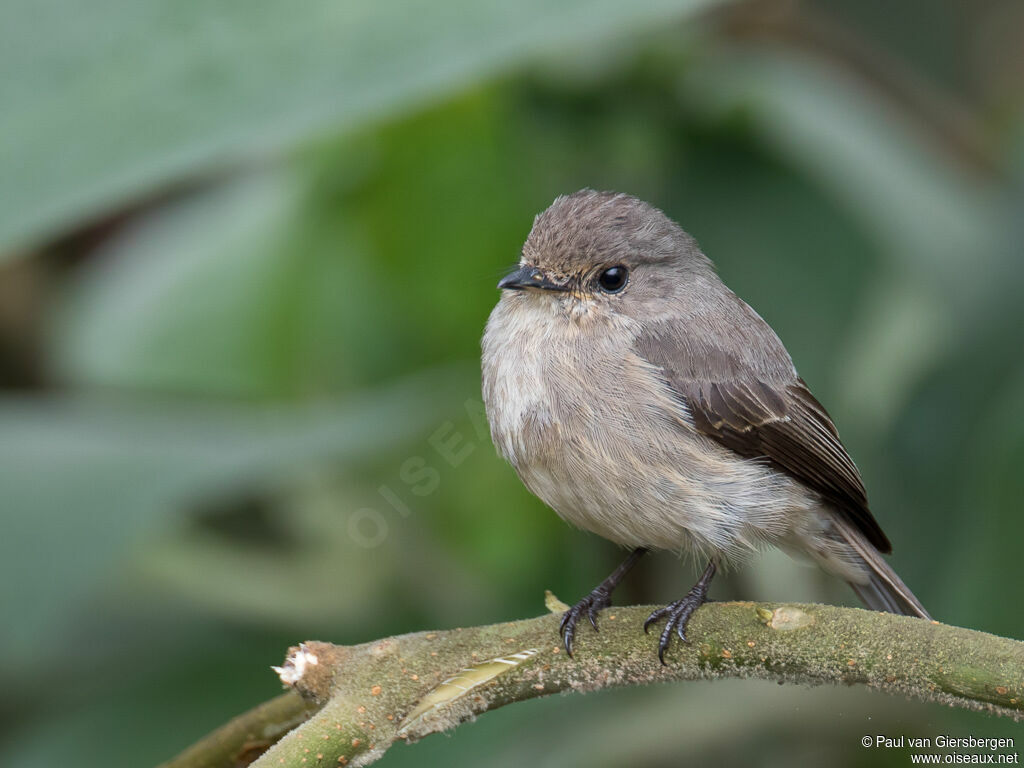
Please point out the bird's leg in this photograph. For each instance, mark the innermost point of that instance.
(600, 597)
(679, 612)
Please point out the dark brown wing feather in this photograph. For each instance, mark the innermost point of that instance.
(766, 413)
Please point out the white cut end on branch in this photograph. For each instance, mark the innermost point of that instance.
(294, 668)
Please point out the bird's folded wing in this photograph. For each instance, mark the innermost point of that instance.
(769, 415)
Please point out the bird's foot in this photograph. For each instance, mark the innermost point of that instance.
(679, 612)
(589, 606)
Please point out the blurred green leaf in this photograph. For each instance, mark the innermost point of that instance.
(874, 160)
(189, 299)
(83, 478)
(99, 107)
(253, 287)
(346, 551)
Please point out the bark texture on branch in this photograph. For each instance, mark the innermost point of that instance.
(405, 687)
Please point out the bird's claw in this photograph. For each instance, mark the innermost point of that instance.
(678, 616)
(588, 606)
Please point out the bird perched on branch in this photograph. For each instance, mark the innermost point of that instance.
(642, 400)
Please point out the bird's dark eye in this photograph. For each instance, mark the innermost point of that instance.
(613, 279)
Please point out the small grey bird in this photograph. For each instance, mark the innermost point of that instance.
(641, 399)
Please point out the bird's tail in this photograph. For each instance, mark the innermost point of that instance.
(883, 590)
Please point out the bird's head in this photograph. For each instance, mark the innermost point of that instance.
(595, 253)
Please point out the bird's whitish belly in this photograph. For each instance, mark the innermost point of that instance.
(595, 433)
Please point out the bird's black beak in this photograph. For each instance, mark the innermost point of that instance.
(529, 277)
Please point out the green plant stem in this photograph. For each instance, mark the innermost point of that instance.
(246, 737)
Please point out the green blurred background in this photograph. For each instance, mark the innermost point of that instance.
(247, 250)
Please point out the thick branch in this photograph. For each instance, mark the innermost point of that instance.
(413, 685)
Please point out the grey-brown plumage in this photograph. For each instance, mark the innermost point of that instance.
(641, 399)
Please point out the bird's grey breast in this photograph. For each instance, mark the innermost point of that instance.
(523, 344)
(596, 432)
(567, 399)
